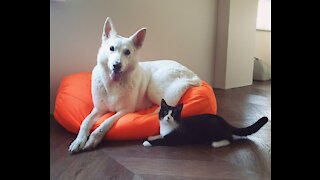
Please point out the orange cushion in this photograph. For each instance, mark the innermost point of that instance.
(74, 103)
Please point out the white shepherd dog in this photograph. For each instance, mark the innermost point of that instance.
(122, 84)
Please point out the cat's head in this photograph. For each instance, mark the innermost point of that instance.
(170, 114)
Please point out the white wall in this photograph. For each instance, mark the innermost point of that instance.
(263, 32)
(242, 28)
(183, 30)
(263, 46)
(220, 63)
(235, 46)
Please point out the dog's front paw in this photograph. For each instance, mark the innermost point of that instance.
(94, 139)
(146, 144)
(77, 144)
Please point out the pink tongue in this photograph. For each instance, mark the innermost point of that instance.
(115, 76)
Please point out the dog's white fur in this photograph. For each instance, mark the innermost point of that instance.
(132, 87)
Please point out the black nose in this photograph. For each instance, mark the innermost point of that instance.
(117, 66)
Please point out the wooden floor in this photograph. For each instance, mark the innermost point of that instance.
(245, 159)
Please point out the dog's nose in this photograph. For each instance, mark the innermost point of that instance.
(117, 66)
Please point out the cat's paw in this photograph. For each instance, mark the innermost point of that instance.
(146, 144)
(217, 144)
(152, 138)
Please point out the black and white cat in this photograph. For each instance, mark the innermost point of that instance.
(204, 128)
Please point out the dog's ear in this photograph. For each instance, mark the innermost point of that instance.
(138, 38)
(108, 29)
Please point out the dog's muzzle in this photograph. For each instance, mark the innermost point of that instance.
(116, 72)
(117, 67)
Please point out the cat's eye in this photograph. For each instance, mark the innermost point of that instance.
(111, 48)
(127, 52)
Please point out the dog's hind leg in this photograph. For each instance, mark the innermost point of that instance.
(99, 133)
(174, 92)
(84, 131)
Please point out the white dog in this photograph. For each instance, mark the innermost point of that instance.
(123, 85)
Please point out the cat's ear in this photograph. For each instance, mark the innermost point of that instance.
(179, 108)
(163, 103)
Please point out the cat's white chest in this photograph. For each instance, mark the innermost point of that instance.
(166, 128)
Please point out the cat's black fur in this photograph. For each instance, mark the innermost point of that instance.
(204, 128)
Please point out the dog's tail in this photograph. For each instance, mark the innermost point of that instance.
(195, 81)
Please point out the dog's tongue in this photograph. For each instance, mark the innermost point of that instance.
(115, 76)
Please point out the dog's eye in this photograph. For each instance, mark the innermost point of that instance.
(127, 52)
(111, 48)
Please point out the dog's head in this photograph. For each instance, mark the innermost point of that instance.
(117, 54)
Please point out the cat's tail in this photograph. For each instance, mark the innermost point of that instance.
(250, 129)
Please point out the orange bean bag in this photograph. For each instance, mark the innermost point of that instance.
(74, 103)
